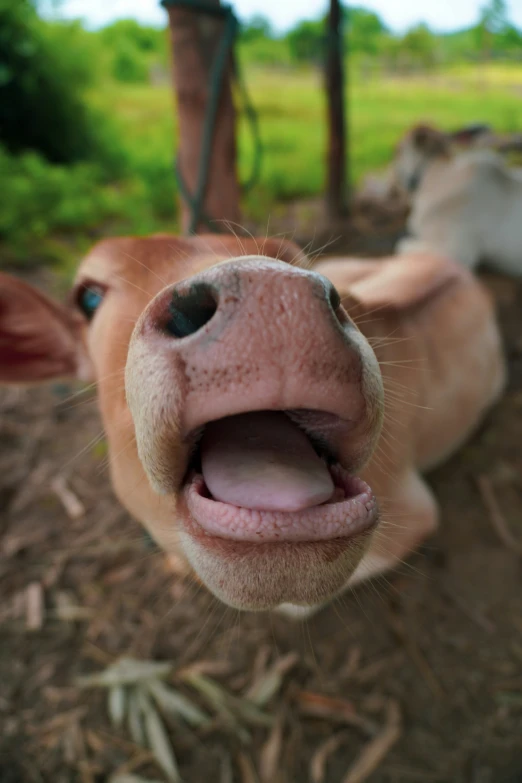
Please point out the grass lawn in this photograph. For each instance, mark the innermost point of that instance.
(292, 119)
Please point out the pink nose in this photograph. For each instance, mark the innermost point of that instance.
(251, 334)
(220, 296)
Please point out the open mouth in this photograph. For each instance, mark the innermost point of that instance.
(276, 476)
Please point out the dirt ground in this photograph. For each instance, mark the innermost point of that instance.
(418, 677)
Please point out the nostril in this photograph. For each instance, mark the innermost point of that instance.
(334, 298)
(190, 310)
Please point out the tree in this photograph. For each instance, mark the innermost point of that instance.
(494, 16)
(493, 22)
(258, 26)
(364, 30)
(306, 41)
(131, 48)
(510, 41)
(40, 108)
(141, 37)
(421, 45)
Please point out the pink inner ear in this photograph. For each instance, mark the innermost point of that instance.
(33, 359)
(31, 368)
(39, 339)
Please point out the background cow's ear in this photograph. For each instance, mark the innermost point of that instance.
(430, 141)
(39, 338)
(468, 133)
(420, 135)
(397, 283)
(405, 281)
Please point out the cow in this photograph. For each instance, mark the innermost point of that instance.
(466, 205)
(267, 422)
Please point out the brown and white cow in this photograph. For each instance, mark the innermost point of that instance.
(266, 422)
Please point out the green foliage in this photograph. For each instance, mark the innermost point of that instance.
(494, 16)
(366, 36)
(306, 41)
(256, 27)
(494, 35)
(265, 51)
(365, 31)
(99, 160)
(511, 41)
(258, 44)
(49, 206)
(421, 45)
(43, 197)
(50, 211)
(132, 49)
(80, 53)
(40, 104)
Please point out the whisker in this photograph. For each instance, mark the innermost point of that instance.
(89, 445)
(340, 600)
(148, 268)
(314, 256)
(134, 285)
(403, 363)
(385, 342)
(230, 224)
(266, 235)
(308, 637)
(92, 400)
(112, 457)
(365, 312)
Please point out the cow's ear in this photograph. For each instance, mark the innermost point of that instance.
(429, 141)
(405, 282)
(39, 338)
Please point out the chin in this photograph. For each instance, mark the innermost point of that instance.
(256, 560)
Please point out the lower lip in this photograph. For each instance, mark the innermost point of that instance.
(355, 513)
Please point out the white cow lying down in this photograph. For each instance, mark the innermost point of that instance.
(467, 205)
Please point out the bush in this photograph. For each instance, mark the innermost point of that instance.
(128, 65)
(49, 204)
(132, 49)
(307, 41)
(82, 58)
(40, 77)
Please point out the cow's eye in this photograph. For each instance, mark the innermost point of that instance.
(89, 298)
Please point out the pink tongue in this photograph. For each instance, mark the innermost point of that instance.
(263, 461)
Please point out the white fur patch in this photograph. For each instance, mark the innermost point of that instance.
(296, 612)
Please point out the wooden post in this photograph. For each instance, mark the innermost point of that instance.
(336, 155)
(195, 37)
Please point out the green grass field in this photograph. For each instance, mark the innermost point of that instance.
(50, 211)
(292, 118)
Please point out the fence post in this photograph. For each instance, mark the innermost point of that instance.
(336, 185)
(195, 36)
